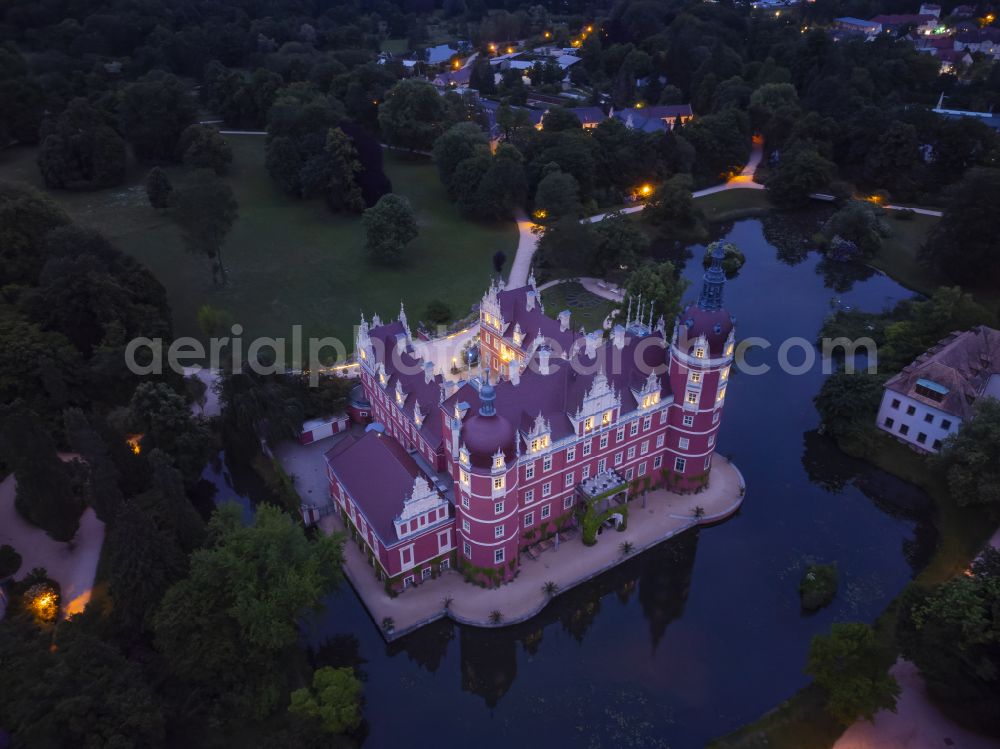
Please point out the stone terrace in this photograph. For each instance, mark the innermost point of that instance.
(570, 563)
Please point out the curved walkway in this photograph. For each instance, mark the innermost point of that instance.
(527, 229)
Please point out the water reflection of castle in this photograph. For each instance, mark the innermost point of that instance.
(659, 580)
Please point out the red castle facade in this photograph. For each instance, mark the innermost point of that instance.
(468, 474)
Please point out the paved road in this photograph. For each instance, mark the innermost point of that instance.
(527, 241)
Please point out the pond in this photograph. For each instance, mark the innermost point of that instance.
(704, 633)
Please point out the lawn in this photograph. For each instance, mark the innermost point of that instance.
(588, 310)
(293, 262)
(898, 256)
(730, 205)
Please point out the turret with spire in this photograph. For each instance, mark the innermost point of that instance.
(714, 280)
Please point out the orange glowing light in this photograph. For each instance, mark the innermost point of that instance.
(646, 190)
(541, 213)
(548, 34)
(134, 441)
(456, 64)
(576, 42)
(493, 48)
(510, 50)
(589, 29)
(639, 105)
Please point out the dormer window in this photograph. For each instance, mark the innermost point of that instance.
(498, 462)
(463, 456)
(463, 477)
(695, 377)
(606, 418)
(498, 484)
(648, 401)
(699, 352)
(724, 374)
(588, 424)
(729, 349)
(364, 354)
(721, 395)
(692, 397)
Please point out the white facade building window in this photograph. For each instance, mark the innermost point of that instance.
(529, 472)
(586, 448)
(546, 488)
(683, 443)
(569, 479)
(571, 454)
(679, 464)
(529, 519)
(633, 428)
(498, 556)
(688, 420)
(498, 508)
(620, 434)
(498, 531)
(529, 496)
(546, 511)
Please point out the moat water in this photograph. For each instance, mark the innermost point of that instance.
(704, 633)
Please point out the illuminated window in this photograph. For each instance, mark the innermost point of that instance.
(606, 419)
(699, 352)
(692, 397)
(588, 424)
(464, 478)
(729, 350)
(722, 394)
(498, 483)
(724, 375)
(645, 402)
(695, 377)
(498, 461)
(536, 445)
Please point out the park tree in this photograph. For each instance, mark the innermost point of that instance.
(673, 212)
(167, 503)
(557, 195)
(26, 216)
(504, 186)
(847, 403)
(104, 491)
(774, 110)
(893, 158)
(565, 244)
(259, 406)
(284, 164)
(45, 495)
(952, 633)
(22, 98)
(165, 421)
(202, 147)
(205, 209)
(80, 150)
(963, 246)
(621, 244)
(481, 77)
(852, 669)
(801, 172)
(558, 119)
(334, 700)
(970, 457)
(143, 562)
(230, 625)
(721, 141)
(512, 121)
(342, 189)
(465, 180)
(860, 222)
(437, 313)
(154, 113)
(413, 115)
(77, 691)
(455, 145)
(158, 188)
(389, 226)
(657, 283)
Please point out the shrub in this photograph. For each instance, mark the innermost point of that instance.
(10, 561)
(818, 586)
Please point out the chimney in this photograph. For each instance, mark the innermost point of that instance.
(529, 300)
(618, 337)
(428, 371)
(543, 360)
(564, 320)
(591, 342)
(515, 374)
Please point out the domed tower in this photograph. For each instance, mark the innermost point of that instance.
(701, 355)
(486, 502)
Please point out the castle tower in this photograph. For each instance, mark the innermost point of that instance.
(701, 356)
(487, 519)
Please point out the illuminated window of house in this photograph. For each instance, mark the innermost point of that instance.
(364, 355)
(692, 397)
(724, 375)
(498, 483)
(695, 377)
(588, 425)
(606, 419)
(729, 350)
(464, 478)
(498, 461)
(646, 401)
(722, 394)
(699, 352)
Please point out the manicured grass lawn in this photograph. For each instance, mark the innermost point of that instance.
(898, 256)
(588, 310)
(395, 46)
(293, 262)
(729, 205)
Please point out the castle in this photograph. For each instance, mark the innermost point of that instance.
(467, 474)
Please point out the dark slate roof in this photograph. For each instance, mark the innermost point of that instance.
(411, 376)
(513, 307)
(963, 363)
(651, 119)
(978, 36)
(589, 115)
(379, 474)
(561, 392)
(715, 325)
